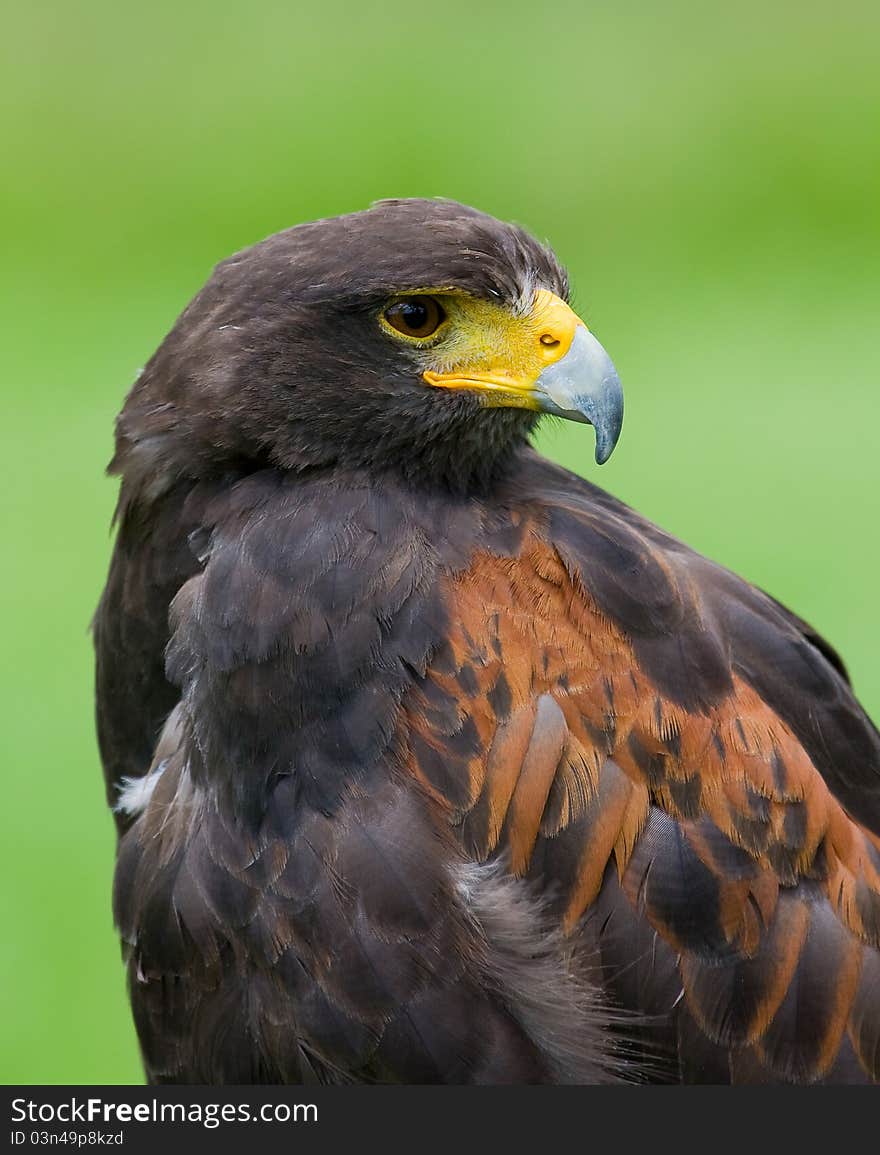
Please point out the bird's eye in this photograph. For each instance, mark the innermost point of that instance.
(415, 316)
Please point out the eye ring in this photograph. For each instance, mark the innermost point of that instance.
(418, 317)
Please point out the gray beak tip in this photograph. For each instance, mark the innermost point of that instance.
(608, 422)
(584, 386)
(603, 453)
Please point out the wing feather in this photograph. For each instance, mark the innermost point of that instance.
(647, 721)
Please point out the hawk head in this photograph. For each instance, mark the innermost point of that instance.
(420, 336)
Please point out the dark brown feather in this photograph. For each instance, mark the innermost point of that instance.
(448, 766)
(728, 829)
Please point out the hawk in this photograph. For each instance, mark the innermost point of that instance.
(432, 762)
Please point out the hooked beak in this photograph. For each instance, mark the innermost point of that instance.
(550, 363)
(584, 386)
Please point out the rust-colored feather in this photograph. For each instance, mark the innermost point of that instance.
(724, 832)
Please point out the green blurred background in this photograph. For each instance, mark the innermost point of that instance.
(709, 172)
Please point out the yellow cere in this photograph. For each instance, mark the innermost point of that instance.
(491, 348)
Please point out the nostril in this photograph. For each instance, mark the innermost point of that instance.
(549, 341)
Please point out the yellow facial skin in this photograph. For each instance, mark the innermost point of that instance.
(538, 356)
(492, 349)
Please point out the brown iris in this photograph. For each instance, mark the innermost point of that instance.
(415, 316)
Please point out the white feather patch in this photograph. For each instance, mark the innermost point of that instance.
(135, 793)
